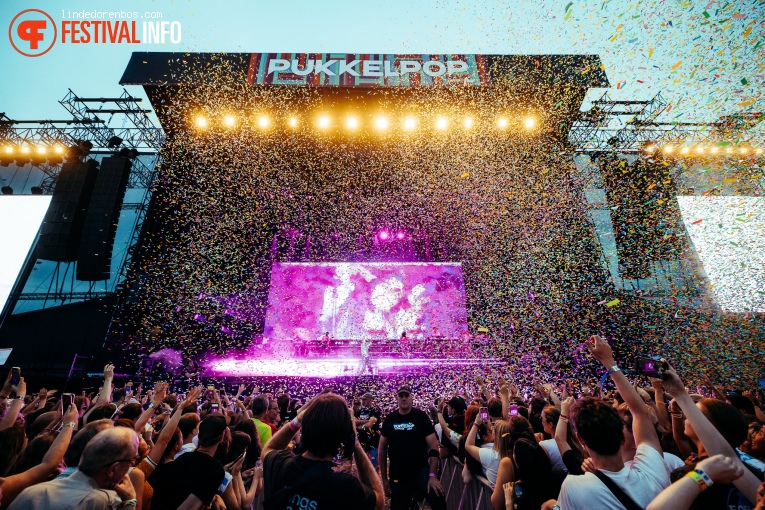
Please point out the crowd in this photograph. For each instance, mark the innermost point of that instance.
(375, 442)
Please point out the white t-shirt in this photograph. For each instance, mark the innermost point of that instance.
(551, 447)
(642, 479)
(489, 461)
(671, 462)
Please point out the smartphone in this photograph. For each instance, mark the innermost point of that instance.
(651, 367)
(15, 376)
(513, 410)
(210, 390)
(240, 456)
(67, 399)
(484, 414)
(214, 408)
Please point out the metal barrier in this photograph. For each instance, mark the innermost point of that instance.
(474, 496)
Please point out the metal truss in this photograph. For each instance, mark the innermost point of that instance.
(628, 126)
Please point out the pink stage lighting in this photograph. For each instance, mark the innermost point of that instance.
(384, 235)
(400, 235)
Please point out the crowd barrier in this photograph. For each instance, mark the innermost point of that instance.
(474, 496)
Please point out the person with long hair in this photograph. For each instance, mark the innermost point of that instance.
(537, 480)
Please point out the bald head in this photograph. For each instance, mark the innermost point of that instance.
(115, 444)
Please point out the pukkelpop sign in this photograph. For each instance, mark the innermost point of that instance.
(368, 70)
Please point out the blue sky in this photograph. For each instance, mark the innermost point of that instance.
(707, 58)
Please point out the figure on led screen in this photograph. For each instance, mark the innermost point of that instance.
(365, 343)
(386, 295)
(324, 343)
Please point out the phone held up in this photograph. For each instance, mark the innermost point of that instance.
(15, 376)
(651, 367)
(484, 414)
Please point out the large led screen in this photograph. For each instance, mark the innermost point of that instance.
(20, 218)
(365, 300)
(729, 235)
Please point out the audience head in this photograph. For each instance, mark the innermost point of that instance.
(82, 438)
(259, 405)
(327, 426)
(110, 455)
(598, 426)
(12, 442)
(494, 408)
(533, 464)
(212, 430)
(726, 419)
(189, 425)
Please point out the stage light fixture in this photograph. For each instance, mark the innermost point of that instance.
(714, 150)
(41, 150)
(381, 122)
(201, 122)
(650, 148)
(293, 122)
(263, 121)
(36, 190)
(410, 123)
(351, 122)
(384, 235)
(729, 150)
(685, 150)
(25, 150)
(529, 122)
(229, 120)
(6, 190)
(700, 149)
(758, 151)
(502, 123)
(744, 150)
(442, 123)
(668, 148)
(58, 149)
(9, 149)
(323, 122)
(468, 122)
(400, 236)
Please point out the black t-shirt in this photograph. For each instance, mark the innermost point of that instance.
(369, 437)
(328, 490)
(407, 448)
(192, 473)
(533, 495)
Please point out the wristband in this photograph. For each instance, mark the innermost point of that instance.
(295, 425)
(151, 406)
(18, 397)
(431, 475)
(707, 479)
(696, 477)
(71, 424)
(128, 502)
(613, 369)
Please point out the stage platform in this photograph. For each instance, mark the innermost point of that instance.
(329, 367)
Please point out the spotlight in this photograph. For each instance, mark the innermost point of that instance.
(668, 148)
(323, 122)
(502, 123)
(442, 123)
(201, 122)
(58, 149)
(229, 120)
(714, 150)
(650, 148)
(758, 151)
(744, 150)
(263, 121)
(685, 150)
(351, 122)
(293, 122)
(6, 190)
(36, 190)
(384, 235)
(9, 150)
(381, 122)
(729, 150)
(41, 150)
(400, 236)
(529, 122)
(25, 150)
(700, 149)
(409, 123)
(468, 122)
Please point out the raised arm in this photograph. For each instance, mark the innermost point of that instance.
(470, 446)
(15, 407)
(681, 494)
(642, 425)
(714, 443)
(157, 397)
(504, 396)
(156, 453)
(105, 396)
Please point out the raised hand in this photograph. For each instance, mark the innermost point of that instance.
(721, 469)
(600, 350)
(565, 406)
(109, 372)
(159, 394)
(192, 397)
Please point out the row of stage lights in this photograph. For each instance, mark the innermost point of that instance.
(352, 122)
(704, 151)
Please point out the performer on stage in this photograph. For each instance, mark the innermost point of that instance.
(365, 343)
(404, 344)
(324, 343)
